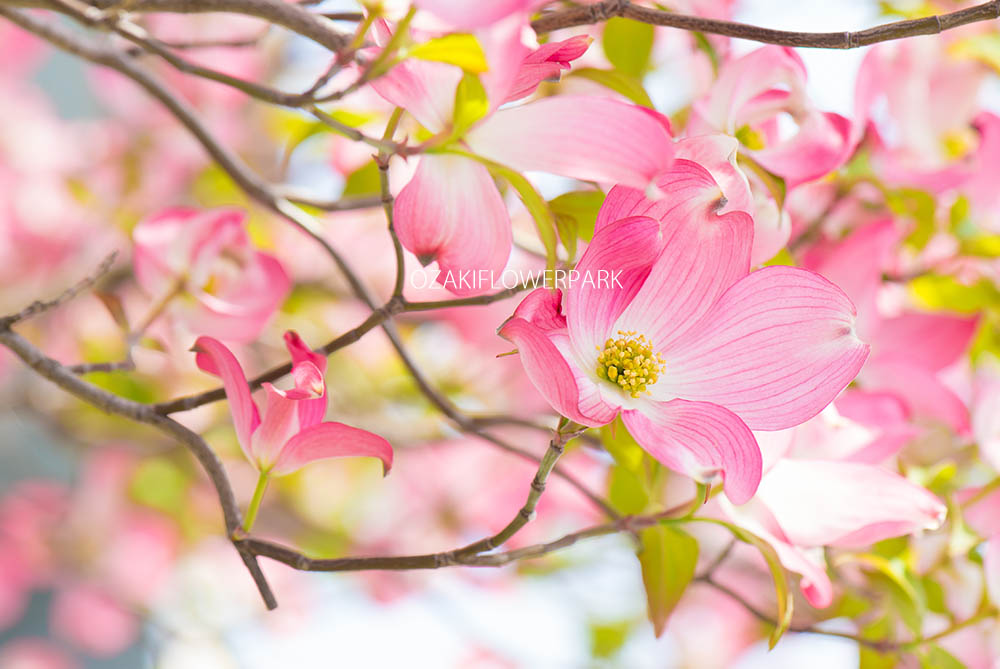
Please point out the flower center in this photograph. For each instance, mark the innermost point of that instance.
(629, 363)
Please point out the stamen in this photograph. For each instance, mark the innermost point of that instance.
(630, 363)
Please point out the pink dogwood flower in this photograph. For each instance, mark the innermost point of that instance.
(226, 287)
(450, 210)
(686, 344)
(747, 101)
(290, 434)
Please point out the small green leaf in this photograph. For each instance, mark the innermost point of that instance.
(606, 639)
(617, 81)
(626, 491)
(938, 658)
(936, 291)
(582, 206)
(363, 181)
(984, 47)
(568, 234)
(774, 184)
(919, 206)
(869, 658)
(471, 104)
(628, 45)
(160, 484)
(622, 446)
(668, 558)
(458, 49)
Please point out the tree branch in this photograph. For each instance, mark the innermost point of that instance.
(602, 11)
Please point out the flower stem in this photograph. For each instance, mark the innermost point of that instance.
(258, 495)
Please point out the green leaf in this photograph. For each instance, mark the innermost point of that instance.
(626, 491)
(363, 181)
(783, 257)
(936, 291)
(628, 45)
(869, 658)
(619, 82)
(938, 658)
(774, 184)
(471, 104)
(668, 559)
(606, 639)
(458, 49)
(919, 206)
(581, 206)
(568, 234)
(904, 590)
(984, 47)
(160, 484)
(622, 446)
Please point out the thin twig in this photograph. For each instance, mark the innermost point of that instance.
(602, 11)
(39, 306)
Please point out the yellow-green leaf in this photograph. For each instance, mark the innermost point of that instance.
(471, 104)
(668, 558)
(628, 45)
(458, 49)
(581, 206)
(618, 81)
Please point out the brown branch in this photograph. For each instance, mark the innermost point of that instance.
(602, 11)
(287, 15)
(142, 413)
(38, 306)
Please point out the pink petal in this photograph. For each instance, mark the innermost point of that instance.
(815, 583)
(775, 349)
(472, 15)
(703, 255)
(213, 357)
(699, 439)
(425, 89)
(546, 62)
(542, 307)
(856, 264)
(932, 341)
(743, 92)
(717, 154)
(279, 424)
(920, 389)
(451, 211)
(311, 411)
(590, 138)
(331, 440)
(561, 383)
(821, 145)
(707, 174)
(623, 251)
(848, 504)
(241, 310)
(300, 352)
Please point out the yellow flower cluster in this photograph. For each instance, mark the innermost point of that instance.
(629, 363)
